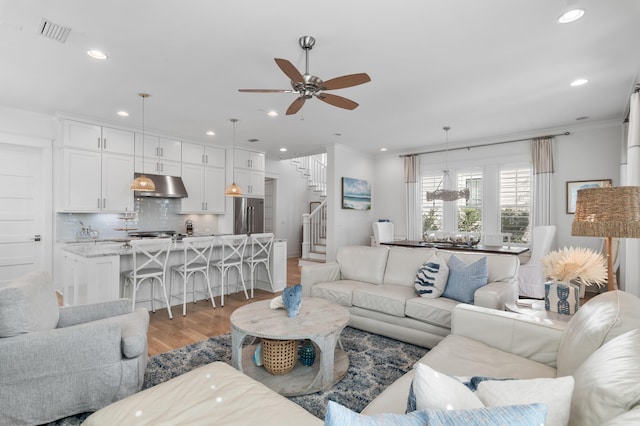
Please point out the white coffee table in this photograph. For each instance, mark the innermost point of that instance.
(319, 320)
(535, 309)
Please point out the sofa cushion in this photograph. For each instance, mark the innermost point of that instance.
(433, 311)
(601, 319)
(607, 384)
(431, 278)
(464, 279)
(433, 389)
(388, 299)
(500, 267)
(460, 356)
(362, 263)
(340, 292)
(28, 304)
(403, 264)
(522, 415)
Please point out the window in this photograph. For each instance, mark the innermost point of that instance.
(515, 202)
(431, 210)
(470, 211)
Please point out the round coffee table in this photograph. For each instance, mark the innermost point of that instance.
(319, 320)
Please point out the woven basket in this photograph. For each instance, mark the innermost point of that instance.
(279, 356)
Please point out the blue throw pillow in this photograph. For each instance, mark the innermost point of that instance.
(465, 279)
(521, 415)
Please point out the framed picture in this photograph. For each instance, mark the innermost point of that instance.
(574, 186)
(356, 194)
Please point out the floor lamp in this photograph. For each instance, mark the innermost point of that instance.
(609, 212)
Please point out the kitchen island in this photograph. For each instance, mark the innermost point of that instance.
(91, 271)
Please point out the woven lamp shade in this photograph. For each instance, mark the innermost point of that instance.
(608, 212)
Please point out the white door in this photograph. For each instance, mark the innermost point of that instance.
(25, 203)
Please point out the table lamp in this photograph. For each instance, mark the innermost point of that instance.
(609, 212)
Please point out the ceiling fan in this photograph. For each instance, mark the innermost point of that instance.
(307, 85)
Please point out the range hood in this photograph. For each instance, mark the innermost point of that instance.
(166, 187)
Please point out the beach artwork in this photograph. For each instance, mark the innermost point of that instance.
(356, 194)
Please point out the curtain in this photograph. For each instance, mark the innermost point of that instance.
(632, 245)
(542, 197)
(411, 174)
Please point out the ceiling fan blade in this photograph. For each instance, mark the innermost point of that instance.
(346, 81)
(290, 70)
(265, 90)
(338, 101)
(295, 106)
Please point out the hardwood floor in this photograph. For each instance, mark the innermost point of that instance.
(202, 321)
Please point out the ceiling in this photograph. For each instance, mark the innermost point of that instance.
(490, 69)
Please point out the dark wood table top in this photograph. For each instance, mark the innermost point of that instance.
(447, 246)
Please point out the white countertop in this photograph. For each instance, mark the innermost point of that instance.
(101, 248)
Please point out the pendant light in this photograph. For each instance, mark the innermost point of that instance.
(233, 190)
(142, 182)
(446, 194)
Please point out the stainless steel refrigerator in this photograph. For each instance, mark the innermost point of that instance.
(248, 215)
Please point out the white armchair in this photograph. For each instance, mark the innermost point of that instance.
(531, 276)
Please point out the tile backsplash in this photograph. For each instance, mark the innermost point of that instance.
(151, 214)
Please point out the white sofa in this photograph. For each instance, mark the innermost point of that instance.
(599, 347)
(377, 285)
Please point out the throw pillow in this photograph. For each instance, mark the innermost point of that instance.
(432, 277)
(521, 415)
(28, 304)
(434, 390)
(465, 279)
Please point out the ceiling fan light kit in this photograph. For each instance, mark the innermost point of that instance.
(307, 85)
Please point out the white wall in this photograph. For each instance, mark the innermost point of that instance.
(389, 196)
(291, 200)
(346, 227)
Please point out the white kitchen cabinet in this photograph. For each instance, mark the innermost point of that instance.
(162, 149)
(205, 186)
(161, 156)
(96, 182)
(252, 160)
(90, 279)
(250, 181)
(98, 138)
(201, 154)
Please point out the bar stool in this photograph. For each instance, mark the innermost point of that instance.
(149, 263)
(232, 256)
(196, 258)
(260, 254)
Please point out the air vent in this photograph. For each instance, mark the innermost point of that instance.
(54, 31)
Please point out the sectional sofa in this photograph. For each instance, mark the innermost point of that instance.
(377, 285)
(595, 359)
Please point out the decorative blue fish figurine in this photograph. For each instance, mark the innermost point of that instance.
(292, 296)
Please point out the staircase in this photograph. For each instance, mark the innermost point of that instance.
(314, 224)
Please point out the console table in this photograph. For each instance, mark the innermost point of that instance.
(319, 320)
(477, 249)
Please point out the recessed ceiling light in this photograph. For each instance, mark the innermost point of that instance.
(579, 82)
(272, 114)
(253, 140)
(571, 15)
(383, 149)
(210, 133)
(283, 149)
(584, 117)
(96, 54)
(123, 113)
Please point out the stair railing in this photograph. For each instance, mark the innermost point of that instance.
(314, 228)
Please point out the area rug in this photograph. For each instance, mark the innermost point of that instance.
(374, 363)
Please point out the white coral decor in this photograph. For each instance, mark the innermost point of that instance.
(575, 263)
